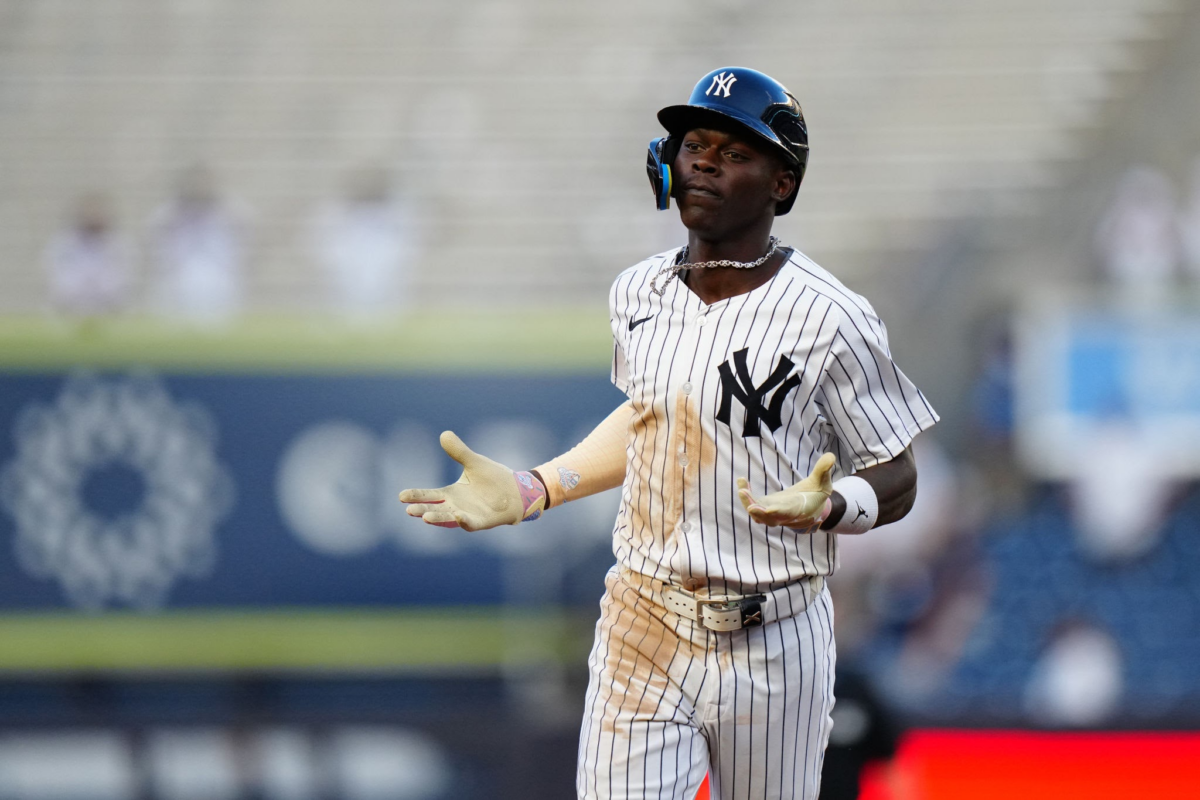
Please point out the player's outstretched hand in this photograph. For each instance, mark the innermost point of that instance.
(487, 495)
(801, 506)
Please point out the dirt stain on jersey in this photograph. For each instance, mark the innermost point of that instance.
(655, 475)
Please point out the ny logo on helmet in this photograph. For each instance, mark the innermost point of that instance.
(722, 82)
(751, 397)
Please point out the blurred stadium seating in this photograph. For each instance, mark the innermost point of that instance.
(505, 121)
(1040, 579)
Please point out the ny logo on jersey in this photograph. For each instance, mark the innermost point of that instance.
(722, 82)
(751, 397)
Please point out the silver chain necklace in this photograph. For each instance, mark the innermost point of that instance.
(681, 264)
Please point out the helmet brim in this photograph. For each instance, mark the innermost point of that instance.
(678, 120)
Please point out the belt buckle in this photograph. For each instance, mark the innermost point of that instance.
(733, 615)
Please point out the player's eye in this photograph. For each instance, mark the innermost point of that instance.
(692, 147)
(734, 155)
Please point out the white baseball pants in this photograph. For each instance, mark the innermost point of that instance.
(668, 701)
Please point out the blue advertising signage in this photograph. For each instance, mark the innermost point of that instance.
(1091, 374)
(136, 492)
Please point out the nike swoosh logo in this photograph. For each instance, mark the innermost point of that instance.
(633, 323)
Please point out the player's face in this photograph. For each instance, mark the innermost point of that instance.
(726, 183)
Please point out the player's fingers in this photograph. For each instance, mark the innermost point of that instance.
(776, 510)
(457, 449)
(761, 508)
(759, 514)
(468, 522)
(421, 509)
(768, 517)
(744, 493)
(822, 472)
(422, 495)
(443, 519)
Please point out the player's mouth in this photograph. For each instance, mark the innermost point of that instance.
(698, 189)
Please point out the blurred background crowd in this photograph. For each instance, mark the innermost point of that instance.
(255, 255)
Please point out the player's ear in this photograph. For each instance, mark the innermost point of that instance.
(785, 184)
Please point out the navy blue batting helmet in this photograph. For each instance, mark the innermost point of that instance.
(745, 98)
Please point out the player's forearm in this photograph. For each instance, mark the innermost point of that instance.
(895, 485)
(594, 465)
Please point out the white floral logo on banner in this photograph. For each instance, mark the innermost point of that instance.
(125, 434)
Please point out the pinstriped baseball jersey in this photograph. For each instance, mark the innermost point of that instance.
(756, 386)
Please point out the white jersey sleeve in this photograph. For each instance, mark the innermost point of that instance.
(874, 410)
(630, 306)
(616, 316)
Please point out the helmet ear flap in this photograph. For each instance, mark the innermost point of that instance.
(659, 158)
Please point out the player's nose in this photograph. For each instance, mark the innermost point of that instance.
(705, 161)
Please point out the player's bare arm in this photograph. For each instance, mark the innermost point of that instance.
(895, 485)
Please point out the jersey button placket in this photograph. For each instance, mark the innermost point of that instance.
(686, 390)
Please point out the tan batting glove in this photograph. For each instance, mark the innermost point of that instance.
(804, 505)
(487, 495)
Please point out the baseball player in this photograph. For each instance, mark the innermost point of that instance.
(765, 416)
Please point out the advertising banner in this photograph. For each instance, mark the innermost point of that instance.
(126, 495)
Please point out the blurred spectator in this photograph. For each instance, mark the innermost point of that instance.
(88, 262)
(992, 392)
(934, 642)
(1136, 240)
(1078, 680)
(198, 245)
(365, 243)
(1003, 480)
(1189, 222)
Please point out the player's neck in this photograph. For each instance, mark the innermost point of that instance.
(713, 284)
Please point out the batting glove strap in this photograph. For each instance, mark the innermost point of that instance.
(862, 506)
(533, 495)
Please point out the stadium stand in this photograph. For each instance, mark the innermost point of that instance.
(504, 121)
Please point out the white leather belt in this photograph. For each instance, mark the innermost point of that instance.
(716, 614)
(728, 612)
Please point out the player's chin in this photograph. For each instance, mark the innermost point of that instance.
(703, 215)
